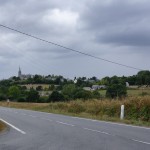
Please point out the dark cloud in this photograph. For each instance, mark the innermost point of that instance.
(110, 29)
(127, 38)
(119, 22)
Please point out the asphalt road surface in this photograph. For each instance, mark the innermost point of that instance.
(31, 130)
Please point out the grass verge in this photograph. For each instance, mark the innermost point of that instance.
(2, 126)
(137, 109)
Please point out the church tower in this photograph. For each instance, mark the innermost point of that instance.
(19, 72)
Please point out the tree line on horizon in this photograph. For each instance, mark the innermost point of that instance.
(68, 89)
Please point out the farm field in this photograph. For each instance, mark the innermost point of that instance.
(34, 86)
(131, 92)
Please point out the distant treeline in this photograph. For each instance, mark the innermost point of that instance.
(66, 89)
(142, 78)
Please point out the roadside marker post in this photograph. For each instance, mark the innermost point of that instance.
(122, 112)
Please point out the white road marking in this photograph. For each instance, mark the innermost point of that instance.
(116, 135)
(65, 123)
(135, 140)
(21, 131)
(147, 128)
(97, 131)
(141, 141)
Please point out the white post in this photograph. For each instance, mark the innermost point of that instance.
(122, 112)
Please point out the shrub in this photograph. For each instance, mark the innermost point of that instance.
(96, 95)
(32, 96)
(116, 90)
(43, 99)
(69, 90)
(76, 107)
(3, 97)
(22, 99)
(138, 108)
(56, 96)
(14, 92)
(82, 95)
(39, 88)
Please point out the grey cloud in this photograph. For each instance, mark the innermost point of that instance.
(119, 22)
(130, 38)
(110, 29)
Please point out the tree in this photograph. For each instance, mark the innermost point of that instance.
(56, 96)
(96, 94)
(105, 81)
(14, 92)
(132, 80)
(32, 96)
(52, 87)
(39, 88)
(143, 77)
(82, 94)
(37, 79)
(116, 90)
(69, 90)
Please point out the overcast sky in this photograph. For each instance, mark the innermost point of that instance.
(117, 30)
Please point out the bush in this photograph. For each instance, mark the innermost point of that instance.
(76, 107)
(135, 108)
(116, 90)
(39, 88)
(43, 99)
(32, 96)
(14, 92)
(83, 95)
(96, 95)
(69, 90)
(138, 109)
(56, 97)
(22, 99)
(3, 97)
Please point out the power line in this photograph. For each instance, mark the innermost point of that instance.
(70, 49)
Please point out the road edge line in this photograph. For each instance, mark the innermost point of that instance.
(21, 131)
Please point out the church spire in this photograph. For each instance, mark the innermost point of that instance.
(19, 72)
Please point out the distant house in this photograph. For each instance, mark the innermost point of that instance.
(87, 88)
(102, 86)
(91, 81)
(75, 81)
(127, 84)
(97, 87)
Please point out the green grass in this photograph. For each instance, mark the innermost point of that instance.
(131, 92)
(138, 92)
(34, 86)
(103, 93)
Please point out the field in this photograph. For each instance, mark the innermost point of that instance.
(34, 86)
(138, 92)
(131, 92)
(137, 109)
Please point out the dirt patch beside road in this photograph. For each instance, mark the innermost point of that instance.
(2, 126)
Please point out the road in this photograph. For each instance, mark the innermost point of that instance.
(31, 130)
